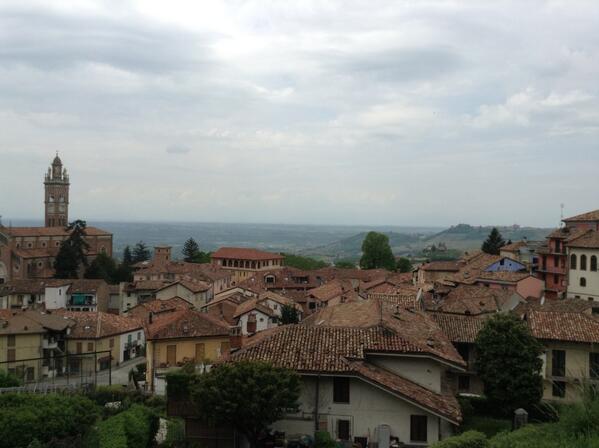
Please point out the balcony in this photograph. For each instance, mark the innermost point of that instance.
(50, 343)
(552, 270)
(77, 300)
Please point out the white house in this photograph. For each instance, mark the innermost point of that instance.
(583, 274)
(368, 374)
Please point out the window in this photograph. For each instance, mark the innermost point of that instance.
(418, 428)
(583, 262)
(138, 335)
(594, 263)
(200, 352)
(583, 282)
(11, 340)
(573, 261)
(594, 365)
(343, 429)
(11, 354)
(90, 346)
(559, 389)
(558, 363)
(30, 373)
(79, 347)
(555, 279)
(463, 383)
(341, 390)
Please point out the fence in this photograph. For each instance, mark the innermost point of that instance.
(62, 371)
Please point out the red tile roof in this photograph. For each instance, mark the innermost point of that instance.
(97, 324)
(589, 216)
(252, 305)
(589, 240)
(186, 324)
(473, 300)
(447, 266)
(504, 276)
(459, 328)
(242, 253)
(51, 231)
(563, 326)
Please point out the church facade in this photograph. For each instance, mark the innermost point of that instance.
(28, 252)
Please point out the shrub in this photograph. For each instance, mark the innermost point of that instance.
(135, 427)
(469, 439)
(26, 417)
(108, 394)
(175, 433)
(323, 439)
(487, 425)
(8, 379)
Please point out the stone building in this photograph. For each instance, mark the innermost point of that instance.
(29, 252)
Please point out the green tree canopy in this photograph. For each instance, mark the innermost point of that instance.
(103, 267)
(345, 264)
(289, 315)
(127, 256)
(509, 364)
(191, 250)
(376, 252)
(493, 243)
(72, 255)
(305, 263)
(247, 395)
(140, 252)
(404, 265)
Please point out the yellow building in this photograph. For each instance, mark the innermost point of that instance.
(571, 358)
(182, 337)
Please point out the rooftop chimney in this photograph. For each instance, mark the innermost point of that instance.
(235, 338)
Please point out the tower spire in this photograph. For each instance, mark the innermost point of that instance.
(56, 189)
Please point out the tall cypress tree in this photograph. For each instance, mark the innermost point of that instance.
(493, 243)
(72, 255)
(141, 252)
(191, 250)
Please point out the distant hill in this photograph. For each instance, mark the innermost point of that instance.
(467, 237)
(462, 237)
(351, 247)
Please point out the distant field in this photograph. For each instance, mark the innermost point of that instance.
(324, 242)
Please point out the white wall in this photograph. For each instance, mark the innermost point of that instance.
(262, 322)
(592, 277)
(56, 297)
(124, 339)
(369, 407)
(423, 371)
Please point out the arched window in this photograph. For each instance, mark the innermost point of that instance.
(583, 282)
(583, 262)
(593, 263)
(573, 261)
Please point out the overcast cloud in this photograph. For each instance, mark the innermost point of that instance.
(344, 112)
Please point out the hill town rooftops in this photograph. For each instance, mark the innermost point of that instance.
(50, 231)
(186, 324)
(443, 266)
(242, 253)
(97, 324)
(563, 326)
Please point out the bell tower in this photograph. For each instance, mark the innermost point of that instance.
(56, 190)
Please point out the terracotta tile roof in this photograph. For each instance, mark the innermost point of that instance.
(31, 322)
(504, 276)
(147, 285)
(47, 252)
(556, 305)
(34, 286)
(473, 300)
(280, 299)
(567, 233)
(447, 266)
(560, 326)
(459, 328)
(51, 231)
(445, 405)
(242, 253)
(514, 247)
(252, 305)
(97, 324)
(193, 286)
(471, 266)
(286, 278)
(331, 290)
(235, 298)
(342, 350)
(186, 324)
(589, 240)
(157, 306)
(86, 285)
(589, 216)
(417, 330)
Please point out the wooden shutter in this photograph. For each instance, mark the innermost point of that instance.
(171, 354)
(200, 352)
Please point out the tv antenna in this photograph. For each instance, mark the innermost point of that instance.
(561, 222)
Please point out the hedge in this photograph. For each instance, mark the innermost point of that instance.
(47, 418)
(469, 439)
(134, 428)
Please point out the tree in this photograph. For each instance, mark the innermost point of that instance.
(247, 395)
(509, 364)
(127, 257)
(345, 264)
(289, 315)
(493, 243)
(140, 252)
(191, 250)
(72, 254)
(404, 265)
(103, 267)
(8, 379)
(304, 263)
(376, 252)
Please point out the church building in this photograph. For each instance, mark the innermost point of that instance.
(29, 252)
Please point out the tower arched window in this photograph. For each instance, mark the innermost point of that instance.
(573, 261)
(583, 262)
(583, 282)
(593, 263)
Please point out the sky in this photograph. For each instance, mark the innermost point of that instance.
(337, 112)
